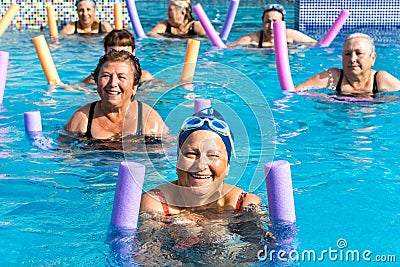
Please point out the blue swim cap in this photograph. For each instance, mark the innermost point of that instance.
(211, 120)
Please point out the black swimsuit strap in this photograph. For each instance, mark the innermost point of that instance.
(76, 27)
(168, 29)
(261, 39)
(139, 127)
(90, 119)
(375, 86)
(191, 31)
(100, 30)
(339, 84)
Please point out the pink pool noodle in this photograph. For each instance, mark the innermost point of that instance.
(136, 25)
(281, 56)
(280, 191)
(127, 196)
(335, 28)
(33, 121)
(201, 103)
(3, 73)
(205, 22)
(230, 17)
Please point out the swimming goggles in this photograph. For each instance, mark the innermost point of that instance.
(277, 7)
(217, 125)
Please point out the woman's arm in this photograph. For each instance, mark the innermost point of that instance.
(325, 79)
(387, 82)
(160, 28)
(298, 37)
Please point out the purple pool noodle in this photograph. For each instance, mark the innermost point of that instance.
(281, 56)
(280, 191)
(335, 28)
(33, 121)
(127, 196)
(3, 73)
(133, 15)
(201, 103)
(230, 17)
(205, 22)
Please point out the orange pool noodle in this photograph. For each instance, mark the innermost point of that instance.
(118, 15)
(8, 17)
(192, 52)
(46, 61)
(51, 18)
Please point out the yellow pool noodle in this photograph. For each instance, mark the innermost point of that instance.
(46, 60)
(118, 15)
(8, 17)
(51, 18)
(192, 52)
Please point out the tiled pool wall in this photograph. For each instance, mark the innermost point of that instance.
(377, 14)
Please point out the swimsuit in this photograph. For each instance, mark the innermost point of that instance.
(260, 41)
(160, 195)
(139, 128)
(191, 31)
(76, 28)
(339, 84)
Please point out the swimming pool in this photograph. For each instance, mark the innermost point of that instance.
(56, 204)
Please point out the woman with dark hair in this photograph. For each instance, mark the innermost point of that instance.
(86, 22)
(180, 21)
(117, 113)
(265, 37)
(120, 40)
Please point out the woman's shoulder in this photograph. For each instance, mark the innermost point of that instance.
(236, 194)
(105, 26)
(69, 28)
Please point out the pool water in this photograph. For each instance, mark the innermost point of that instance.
(56, 203)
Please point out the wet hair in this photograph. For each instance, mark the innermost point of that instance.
(78, 1)
(276, 7)
(121, 56)
(368, 38)
(184, 5)
(119, 38)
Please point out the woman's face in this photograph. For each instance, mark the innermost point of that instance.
(268, 21)
(356, 56)
(115, 83)
(202, 160)
(176, 16)
(86, 12)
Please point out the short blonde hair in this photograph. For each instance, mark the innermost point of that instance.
(184, 5)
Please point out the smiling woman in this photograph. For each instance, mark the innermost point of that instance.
(356, 77)
(180, 21)
(86, 22)
(117, 77)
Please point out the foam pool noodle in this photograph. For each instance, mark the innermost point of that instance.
(205, 22)
(4, 56)
(46, 60)
(136, 25)
(201, 103)
(281, 56)
(230, 17)
(33, 130)
(51, 17)
(334, 29)
(8, 17)
(118, 15)
(192, 52)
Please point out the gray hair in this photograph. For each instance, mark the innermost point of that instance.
(370, 41)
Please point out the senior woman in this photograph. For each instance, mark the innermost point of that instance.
(180, 21)
(199, 212)
(117, 77)
(86, 22)
(205, 147)
(265, 37)
(356, 77)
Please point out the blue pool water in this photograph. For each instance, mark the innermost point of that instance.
(55, 205)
